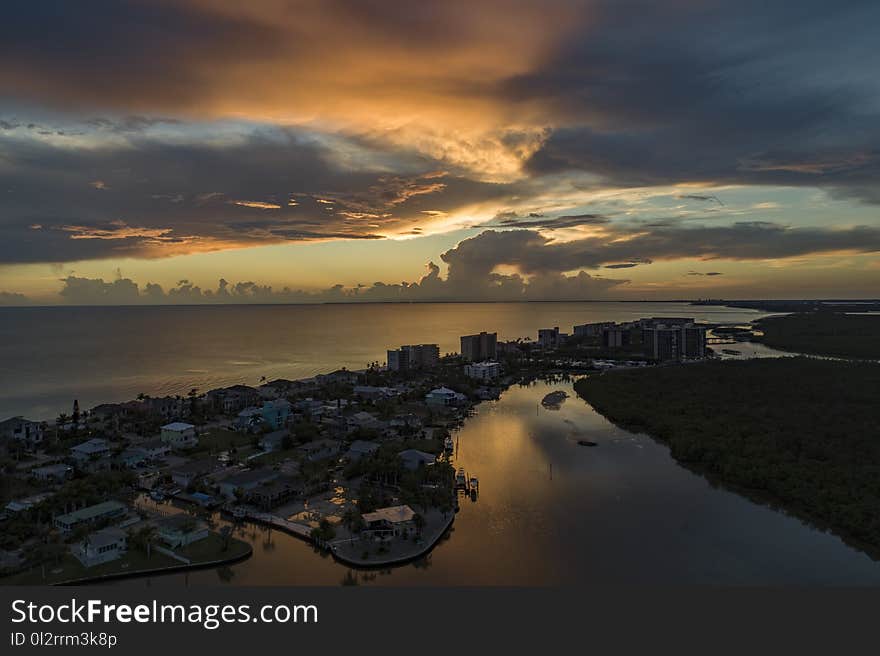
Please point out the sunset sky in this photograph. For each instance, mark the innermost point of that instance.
(321, 150)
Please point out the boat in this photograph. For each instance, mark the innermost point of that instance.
(554, 399)
(587, 443)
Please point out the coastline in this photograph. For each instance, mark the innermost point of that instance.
(142, 573)
(798, 508)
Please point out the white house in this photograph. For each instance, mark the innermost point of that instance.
(180, 435)
(389, 522)
(444, 396)
(483, 370)
(180, 530)
(101, 547)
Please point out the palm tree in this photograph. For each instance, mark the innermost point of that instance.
(226, 534)
(144, 538)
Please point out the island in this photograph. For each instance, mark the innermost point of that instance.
(833, 334)
(802, 434)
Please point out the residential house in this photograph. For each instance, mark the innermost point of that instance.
(249, 420)
(389, 522)
(166, 408)
(52, 473)
(114, 417)
(89, 515)
(132, 458)
(443, 396)
(338, 377)
(319, 449)
(90, 451)
(190, 472)
(276, 413)
(274, 441)
(20, 505)
(101, 547)
(362, 421)
(244, 482)
(231, 400)
(155, 449)
(372, 393)
(180, 435)
(275, 389)
(273, 493)
(27, 432)
(361, 449)
(180, 530)
(413, 458)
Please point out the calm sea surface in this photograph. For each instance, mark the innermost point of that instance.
(549, 512)
(51, 356)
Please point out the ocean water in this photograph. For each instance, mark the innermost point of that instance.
(51, 356)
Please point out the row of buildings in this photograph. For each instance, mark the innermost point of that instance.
(659, 338)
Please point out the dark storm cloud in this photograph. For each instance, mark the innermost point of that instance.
(532, 252)
(153, 198)
(750, 93)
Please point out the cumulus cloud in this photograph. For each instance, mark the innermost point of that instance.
(534, 253)
(13, 299)
(479, 268)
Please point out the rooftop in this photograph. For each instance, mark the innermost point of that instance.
(392, 514)
(177, 426)
(105, 537)
(249, 477)
(91, 512)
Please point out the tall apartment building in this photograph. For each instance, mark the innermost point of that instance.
(673, 342)
(550, 338)
(414, 356)
(479, 347)
(592, 329)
